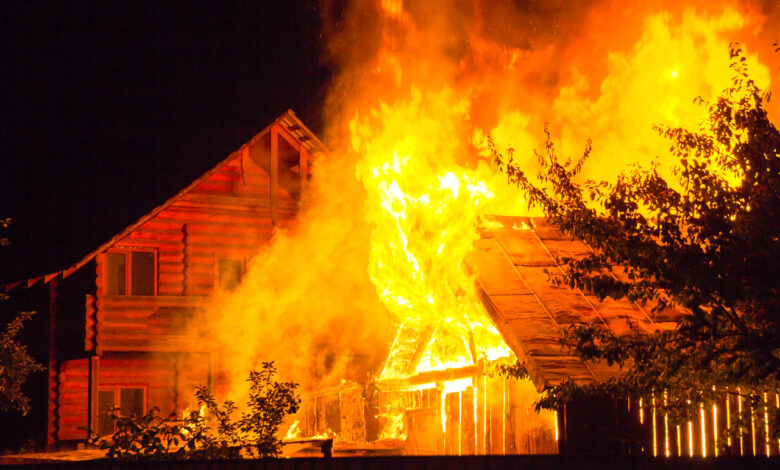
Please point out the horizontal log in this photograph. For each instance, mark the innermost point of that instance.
(74, 365)
(141, 362)
(169, 289)
(228, 230)
(115, 325)
(154, 301)
(447, 375)
(135, 242)
(156, 223)
(158, 345)
(112, 308)
(238, 201)
(200, 289)
(69, 381)
(149, 232)
(199, 259)
(190, 214)
(174, 257)
(210, 272)
(224, 250)
(244, 241)
(230, 201)
(200, 266)
(170, 277)
(200, 278)
(215, 186)
(169, 266)
(72, 421)
(72, 407)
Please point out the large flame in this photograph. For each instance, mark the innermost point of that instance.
(377, 267)
(424, 210)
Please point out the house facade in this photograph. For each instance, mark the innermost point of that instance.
(114, 321)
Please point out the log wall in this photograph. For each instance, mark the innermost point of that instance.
(229, 214)
(73, 400)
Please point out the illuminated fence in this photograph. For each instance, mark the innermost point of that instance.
(744, 428)
(453, 412)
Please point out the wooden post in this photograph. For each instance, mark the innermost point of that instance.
(274, 172)
(303, 166)
(94, 368)
(53, 382)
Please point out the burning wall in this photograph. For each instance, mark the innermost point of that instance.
(372, 283)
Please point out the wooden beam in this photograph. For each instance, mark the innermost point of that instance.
(303, 166)
(274, 172)
(94, 367)
(427, 377)
(53, 382)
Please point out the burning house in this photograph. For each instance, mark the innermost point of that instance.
(435, 390)
(392, 275)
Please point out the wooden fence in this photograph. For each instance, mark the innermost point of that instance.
(514, 462)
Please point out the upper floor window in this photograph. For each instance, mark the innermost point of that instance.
(230, 272)
(130, 272)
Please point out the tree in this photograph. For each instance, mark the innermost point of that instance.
(16, 364)
(253, 434)
(707, 247)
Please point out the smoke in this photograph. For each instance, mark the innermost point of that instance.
(305, 302)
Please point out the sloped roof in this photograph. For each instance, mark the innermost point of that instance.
(287, 121)
(511, 258)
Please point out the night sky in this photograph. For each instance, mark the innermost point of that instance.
(107, 109)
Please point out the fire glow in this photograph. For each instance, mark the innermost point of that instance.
(381, 260)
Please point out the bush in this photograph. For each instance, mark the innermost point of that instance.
(252, 434)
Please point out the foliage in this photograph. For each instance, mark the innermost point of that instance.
(252, 434)
(707, 246)
(16, 365)
(4, 223)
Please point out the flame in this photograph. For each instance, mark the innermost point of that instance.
(294, 432)
(424, 210)
(187, 413)
(372, 282)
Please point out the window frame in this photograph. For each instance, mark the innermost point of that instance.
(128, 252)
(217, 284)
(116, 389)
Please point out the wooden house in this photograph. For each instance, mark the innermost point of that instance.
(113, 321)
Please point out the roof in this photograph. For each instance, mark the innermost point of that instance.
(512, 259)
(287, 121)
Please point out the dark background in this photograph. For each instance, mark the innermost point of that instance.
(108, 109)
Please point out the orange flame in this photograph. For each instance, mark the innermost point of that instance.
(378, 263)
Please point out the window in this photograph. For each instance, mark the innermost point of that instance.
(230, 273)
(131, 403)
(136, 277)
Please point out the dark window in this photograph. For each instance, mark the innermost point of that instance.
(131, 402)
(105, 412)
(116, 270)
(142, 273)
(230, 273)
(130, 273)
